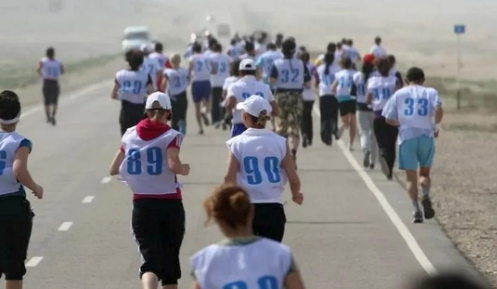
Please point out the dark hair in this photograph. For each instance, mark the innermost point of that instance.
(367, 69)
(233, 41)
(384, 66)
(10, 106)
(229, 204)
(329, 58)
(392, 59)
(50, 52)
(377, 40)
(350, 42)
(235, 66)
(260, 120)
(415, 74)
(332, 47)
(249, 46)
(346, 63)
(339, 45)
(279, 36)
(134, 58)
(217, 47)
(450, 280)
(196, 47)
(305, 57)
(271, 46)
(344, 40)
(212, 42)
(158, 47)
(288, 48)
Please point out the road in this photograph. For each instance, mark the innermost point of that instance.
(353, 231)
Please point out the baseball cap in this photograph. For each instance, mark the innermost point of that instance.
(255, 105)
(368, 58)
(247, 64)
(162, 98)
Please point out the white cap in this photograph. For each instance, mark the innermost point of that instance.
(162, 98)
(247, 64)
(255, 105)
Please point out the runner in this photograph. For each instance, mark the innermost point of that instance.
(260, 162)
(234, 50)
(412, 109)
(261, 45)
(352, 52)
(308, 104)
(151, 66)
(394, 71)
(16, 216)
(339, 55)
(161, 59)
(378, 50)
(176, 81)
(379, 90)
(50, 70)
(289, 76)
(279, 41)
(252, 262)
(246, 86)
(328, 103)
(131, 87)
(200, 69)
(331, 48)
(148, 161)
(365, 115)
(250, 51)
(220, 69)
(346, 103)
(265, 62)
(234, 76)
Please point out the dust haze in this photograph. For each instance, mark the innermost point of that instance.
(418, 32)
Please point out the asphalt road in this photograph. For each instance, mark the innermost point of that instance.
(353, 230)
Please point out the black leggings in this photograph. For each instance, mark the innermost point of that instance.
(217, 113)
(386, 137)
(158, 227)
(269, 221)
(306, 124)
(131, 114)
(179, 107)
(16, 222)
(328, 107)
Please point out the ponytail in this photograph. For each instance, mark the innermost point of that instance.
(329, 58)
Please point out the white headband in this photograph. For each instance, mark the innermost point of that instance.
(11, 121)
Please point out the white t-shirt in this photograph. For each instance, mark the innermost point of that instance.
(378, 51)
(382, 89)
(222, 62)
(244, 88)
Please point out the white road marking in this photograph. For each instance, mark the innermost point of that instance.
(106, 180)
(65, 226)
(70, 96)
(389, 210)
(34, 261)
(88, 199)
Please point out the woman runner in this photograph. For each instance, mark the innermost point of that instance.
(50, 70)
(176, 81)
(308, 103)
(234, 76)
(260, 161)
(328, 103)
(252, 262)
(16, 217)
(148, 161)
(131, 87)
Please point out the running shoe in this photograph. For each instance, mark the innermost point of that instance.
(365, 160)
(205, 118)
(384, 168)
(427, 207)
(417, 217)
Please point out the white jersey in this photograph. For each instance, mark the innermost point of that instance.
(308, 93)
(145, 168)
(338, 57)
(246, 55)
(221, 62)
(360, 85)
(382, 89)
(260, 153)
(266, 61)
(132, 85)
(251, 263)
(151, 66)
(416, 106)
(260, 48)
(50, 68)
(378, 51)
(227, 82)
(290, 73)
(234, 51)
(201, 67)
(345, 80)
(243, 89)
(10, 142)
(160, 58)
(177, 80)
(325, 81)
(353, 54)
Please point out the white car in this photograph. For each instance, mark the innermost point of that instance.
(135, 36)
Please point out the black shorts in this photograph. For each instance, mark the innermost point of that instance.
(16, 222)
(51, 91)
(347, 107)
(269, 221)
(130, 115)
(158, 227)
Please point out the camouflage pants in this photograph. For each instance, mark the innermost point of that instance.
(291, 105)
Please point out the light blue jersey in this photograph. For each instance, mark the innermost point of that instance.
(265, 62)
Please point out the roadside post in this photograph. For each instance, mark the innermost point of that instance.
(459, 29)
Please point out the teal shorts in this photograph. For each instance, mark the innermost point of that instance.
(416, 152)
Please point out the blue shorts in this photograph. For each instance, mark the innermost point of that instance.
(238, 128)
(416, 152)
(201, 90)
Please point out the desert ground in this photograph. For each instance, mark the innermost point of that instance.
(417, 32)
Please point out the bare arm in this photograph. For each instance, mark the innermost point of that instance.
(334, 86)
(369, 98)
(289, 166)
(174, 162)
(20, 168)
(439, 113)
(294, 281)
(275, 108)
(164, 84)
(230, 177)
(230, 103)
(196, 285)
(392, 122)
(62, 70)
(116, 163)
(40, 66)
(115, 90)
